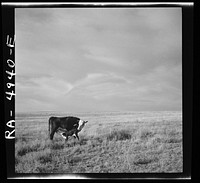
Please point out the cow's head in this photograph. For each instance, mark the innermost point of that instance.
(81, 124)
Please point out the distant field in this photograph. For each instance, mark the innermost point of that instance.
(111, 142)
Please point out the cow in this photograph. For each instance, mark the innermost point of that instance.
(67, 126)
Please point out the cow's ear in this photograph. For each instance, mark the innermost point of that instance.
(86, 121)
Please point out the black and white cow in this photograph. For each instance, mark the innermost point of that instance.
(66, 126)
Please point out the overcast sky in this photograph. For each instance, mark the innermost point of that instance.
(79, 60)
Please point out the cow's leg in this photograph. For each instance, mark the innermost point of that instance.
(66, 139)
(53, 132)
(51, 135)
(76, 134)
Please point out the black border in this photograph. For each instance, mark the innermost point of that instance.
(8, 26)
(8, 17)
(187, 80)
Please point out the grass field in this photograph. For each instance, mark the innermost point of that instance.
(111, 142)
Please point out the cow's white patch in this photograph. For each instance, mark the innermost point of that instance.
(80, 125)
(62, 135)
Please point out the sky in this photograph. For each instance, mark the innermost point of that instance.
(98, 59)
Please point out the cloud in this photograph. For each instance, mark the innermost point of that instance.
(119, 58)
(99, 85)
(152, 87)
(105, 59)
(41, 90)
(93, 78)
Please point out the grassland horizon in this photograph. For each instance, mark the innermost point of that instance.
(111, 142)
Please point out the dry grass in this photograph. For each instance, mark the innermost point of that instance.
(109, 143)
